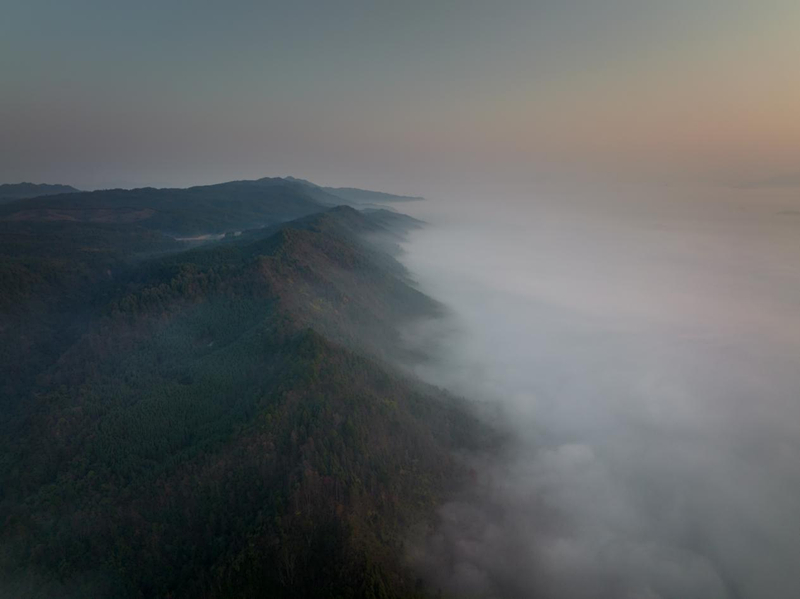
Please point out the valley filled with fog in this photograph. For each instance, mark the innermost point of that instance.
(643, 349)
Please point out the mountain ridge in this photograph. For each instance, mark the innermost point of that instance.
(193, 211)
(356, 195)
(10, 192)
(222, 419)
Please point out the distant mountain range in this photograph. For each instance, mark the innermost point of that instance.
(18, 191)
(221, 417)
(194, 211)
(183, 212)
(357, 196)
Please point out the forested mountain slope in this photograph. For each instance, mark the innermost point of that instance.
(221, 421)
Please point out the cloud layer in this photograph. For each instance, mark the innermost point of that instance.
(645, 349)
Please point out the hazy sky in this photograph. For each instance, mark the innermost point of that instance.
(99, 93)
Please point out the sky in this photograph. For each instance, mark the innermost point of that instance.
(397, 94)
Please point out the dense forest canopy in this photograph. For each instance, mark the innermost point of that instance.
(215, 417)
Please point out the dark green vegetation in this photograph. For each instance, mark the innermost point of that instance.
(18, 191)
(214, 420)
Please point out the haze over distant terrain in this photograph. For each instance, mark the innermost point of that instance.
(645, 347)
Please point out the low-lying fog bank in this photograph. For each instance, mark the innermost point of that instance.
(645, 346)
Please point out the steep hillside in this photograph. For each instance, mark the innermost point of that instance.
(63, 256)
(223, 422)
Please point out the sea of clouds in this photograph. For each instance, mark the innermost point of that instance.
(643, 346)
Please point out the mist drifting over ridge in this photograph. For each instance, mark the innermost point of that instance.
(644, 347)
(214, 363)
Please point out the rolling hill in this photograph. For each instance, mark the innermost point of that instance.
(18, 191)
